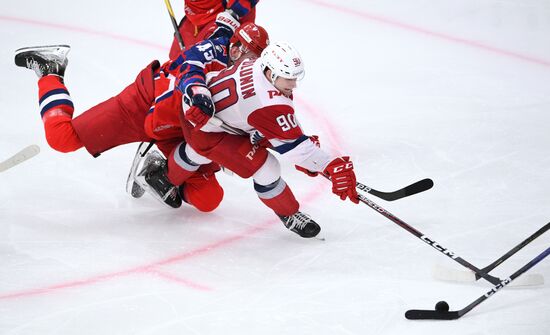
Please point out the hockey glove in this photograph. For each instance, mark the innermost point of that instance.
(342, 176)
(202, 106)
(315, 140)
(226, 25)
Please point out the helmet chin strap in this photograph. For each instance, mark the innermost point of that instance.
(272, 77)
(234, 56)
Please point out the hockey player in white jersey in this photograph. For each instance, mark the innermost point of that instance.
(255, 96)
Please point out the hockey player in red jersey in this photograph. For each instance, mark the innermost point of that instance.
(122, 119)
(255, 97)
(198, 22)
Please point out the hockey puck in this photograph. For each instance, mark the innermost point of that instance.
(442, 306)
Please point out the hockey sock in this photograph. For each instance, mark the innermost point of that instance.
(180, 167)
(56, 109)
(278, 197)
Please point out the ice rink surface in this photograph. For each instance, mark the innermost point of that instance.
(457, 91)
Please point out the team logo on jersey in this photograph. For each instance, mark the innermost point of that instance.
(274, 93)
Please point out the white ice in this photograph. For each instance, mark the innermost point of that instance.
(458, 91)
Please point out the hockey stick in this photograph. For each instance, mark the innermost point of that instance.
(442, 313)
(493, 280)
(515, 249)
(414, 188)
(174, 24)
(21, 156)
(455, 275)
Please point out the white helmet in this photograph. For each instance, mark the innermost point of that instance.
(283, 61)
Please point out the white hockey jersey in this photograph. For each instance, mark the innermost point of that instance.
(245, 99)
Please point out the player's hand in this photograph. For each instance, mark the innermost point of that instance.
(226, 24)
(202, 105)
(196, 117)
(343, 180)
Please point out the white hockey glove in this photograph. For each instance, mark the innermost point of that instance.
(226, 21)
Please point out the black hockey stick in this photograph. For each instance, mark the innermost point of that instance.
(493, 280)
(515, 249)
(414, 188)
(442, 313)
(458, 275)
(174, 24)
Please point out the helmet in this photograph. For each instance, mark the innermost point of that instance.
(252, 37)
(283, 61)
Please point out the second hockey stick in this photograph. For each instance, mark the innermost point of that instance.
(445, 314)
(530, 280)
(174, 24)
(447, 252)
(20, 157)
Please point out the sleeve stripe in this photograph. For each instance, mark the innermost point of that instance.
(284, 148)
(53, 92)
(55, 103)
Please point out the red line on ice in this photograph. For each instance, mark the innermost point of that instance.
(409, 27)
(82, 30)
(152, 268)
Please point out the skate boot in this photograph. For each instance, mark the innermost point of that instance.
(301, 224)
(44, 60)
(153, 179)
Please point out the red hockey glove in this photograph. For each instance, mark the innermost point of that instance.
(342, 176)
(315, 140)
(202, 106)
(196, 116)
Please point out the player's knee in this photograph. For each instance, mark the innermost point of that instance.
(269, 172)
(60, 133)
(205, 197)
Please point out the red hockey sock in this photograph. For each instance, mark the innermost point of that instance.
(278, 197)
(56, 109)
(180, 168)
(53, 94)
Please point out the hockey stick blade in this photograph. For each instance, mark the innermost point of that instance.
(419, 314)
(419, 186)
(21, 156)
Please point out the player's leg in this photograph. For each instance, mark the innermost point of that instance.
(56, 106)
(247, 160)
(277, 195)
(202, 191)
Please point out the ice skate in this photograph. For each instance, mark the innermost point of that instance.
(152, 178)
(44, 60)
(302, 224)
(132, 187)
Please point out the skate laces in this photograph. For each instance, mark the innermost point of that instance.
(34, 65)
(298, 220)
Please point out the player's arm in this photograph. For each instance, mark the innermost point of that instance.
(202, 58)
(241, 7)
(281, 128)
